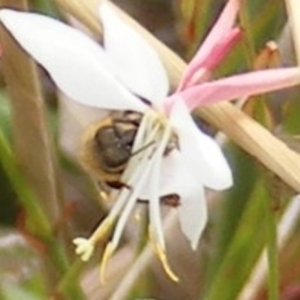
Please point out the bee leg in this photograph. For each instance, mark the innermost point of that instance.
(126, 121)
(118, 185)
(129, 117)
(172, 200)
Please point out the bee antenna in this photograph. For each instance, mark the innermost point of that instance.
(144, 100)
(142, 148)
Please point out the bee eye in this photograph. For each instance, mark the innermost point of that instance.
(107, 145)
(127, 138)
(105, 137)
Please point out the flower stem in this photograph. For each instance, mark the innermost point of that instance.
(25, 195)
(271, 237)
(66, 285)
(249, 40)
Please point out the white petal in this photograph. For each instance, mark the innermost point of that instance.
(193, 215)
(75, 62)
(135, 62)
(202, 155)
(177, 178)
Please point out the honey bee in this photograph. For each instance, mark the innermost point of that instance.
(107, 148)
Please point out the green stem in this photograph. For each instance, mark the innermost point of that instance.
(271, 237)
(67, 286)
(249, 39)
(25, 195)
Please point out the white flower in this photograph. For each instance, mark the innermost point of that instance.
(179, 158)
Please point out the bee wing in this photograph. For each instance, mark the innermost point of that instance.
(74, 119)
(76, 63)
(134, 61)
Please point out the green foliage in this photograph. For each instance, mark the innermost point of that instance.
(12, 291)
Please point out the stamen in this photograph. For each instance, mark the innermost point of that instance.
(147, 136)
(156, 232)
(140, 133)
(84, 248)
(109, 249)
(102, 229)
(139, 181)
(161, 254)
(154, 205)
(164, 261)
(121, 198)
(104, 195)
(137, 215)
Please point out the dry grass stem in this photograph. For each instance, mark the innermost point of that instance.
(293, 9)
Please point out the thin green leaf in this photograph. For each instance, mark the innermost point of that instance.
(243, 251)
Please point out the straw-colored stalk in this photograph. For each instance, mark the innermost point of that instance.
(32, 143)
(294, 19)
(32, 149)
